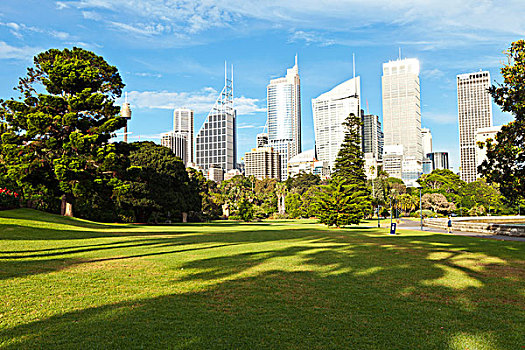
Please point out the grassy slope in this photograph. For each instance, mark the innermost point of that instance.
(281, 284)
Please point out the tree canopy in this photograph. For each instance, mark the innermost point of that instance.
(53, 133)
(505, 163)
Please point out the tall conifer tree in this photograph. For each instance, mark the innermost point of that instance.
(346, 199)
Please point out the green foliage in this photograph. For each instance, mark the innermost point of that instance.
(156, 185)
(50, 141)
(9, 199)
(437, 203)
(346, 199)
(301, 182)
(506, 155)
(442, 181)
(340, 204)
(481, 193)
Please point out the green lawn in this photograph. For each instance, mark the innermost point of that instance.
(67, 283)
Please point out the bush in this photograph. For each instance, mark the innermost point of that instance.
(8, 199)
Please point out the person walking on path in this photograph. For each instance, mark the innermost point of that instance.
(449, 225)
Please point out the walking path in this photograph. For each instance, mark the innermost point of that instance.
(415, 225)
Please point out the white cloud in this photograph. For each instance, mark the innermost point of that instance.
(200, 101)
(146, 74)
(433, 74)
(20, 53)
(310, 38)
(427, 19)
(439, 118)
(250, 126)
(18, 30)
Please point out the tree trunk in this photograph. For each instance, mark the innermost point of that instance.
(66, 207)
(184, 217)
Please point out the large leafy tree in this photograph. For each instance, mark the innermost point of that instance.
(53, 133)
(479, 193)
(346, 199)
(156, 186)
(505, 163)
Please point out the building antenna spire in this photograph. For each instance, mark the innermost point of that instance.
(232, 83)
(126, 97)
(296, 58)
(400, 53)
(225, 74)
(353, 63)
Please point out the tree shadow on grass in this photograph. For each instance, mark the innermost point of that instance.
(352, 300)
(36, 215)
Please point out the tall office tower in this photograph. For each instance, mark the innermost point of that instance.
(178, 144)
(183, 124)
(330, 110)
(262, 139)
(216, 142)
(426, 137)
(263, 162)
(393, 160)
(284, 116)
(372, 136)
(439, 160)
(401, 106)
(474, 112)
(482, 135)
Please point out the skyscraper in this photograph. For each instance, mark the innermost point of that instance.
(372, 136)
(216, 142)
(401, 106)
(263, 162)
(284, 116)
(330, 110)
(183, 124)
(439, 160)
(262, 139)
(482, 135)
(474, 112)
(426, 137)
(178, 144)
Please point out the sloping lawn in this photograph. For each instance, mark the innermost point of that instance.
(67, 283)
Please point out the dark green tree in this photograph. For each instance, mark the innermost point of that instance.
(505, 163)
(52, 134)
(347, 198)
(156, 185)
(341, 204)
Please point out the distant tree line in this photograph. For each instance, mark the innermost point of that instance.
(56, 156)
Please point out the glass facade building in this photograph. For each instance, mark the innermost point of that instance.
(216, 142)
(330, 110)
(284, 116)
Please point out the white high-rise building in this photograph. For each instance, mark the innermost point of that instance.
(178, 144)
(482, 135)
(474, 112)
(401, 106)
(284, 116)
(183, 124)
(426, 137)
(330, 110)
(216, 142)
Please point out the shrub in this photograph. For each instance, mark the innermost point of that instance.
(8, 199)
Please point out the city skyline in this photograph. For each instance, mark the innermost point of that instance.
(166, 66)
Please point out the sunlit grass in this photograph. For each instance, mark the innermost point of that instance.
(283, 284)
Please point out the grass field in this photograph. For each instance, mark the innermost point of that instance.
(67, 283)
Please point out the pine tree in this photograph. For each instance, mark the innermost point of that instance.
(345, 200)
(349, 163)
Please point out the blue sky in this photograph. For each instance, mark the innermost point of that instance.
(171, 53)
